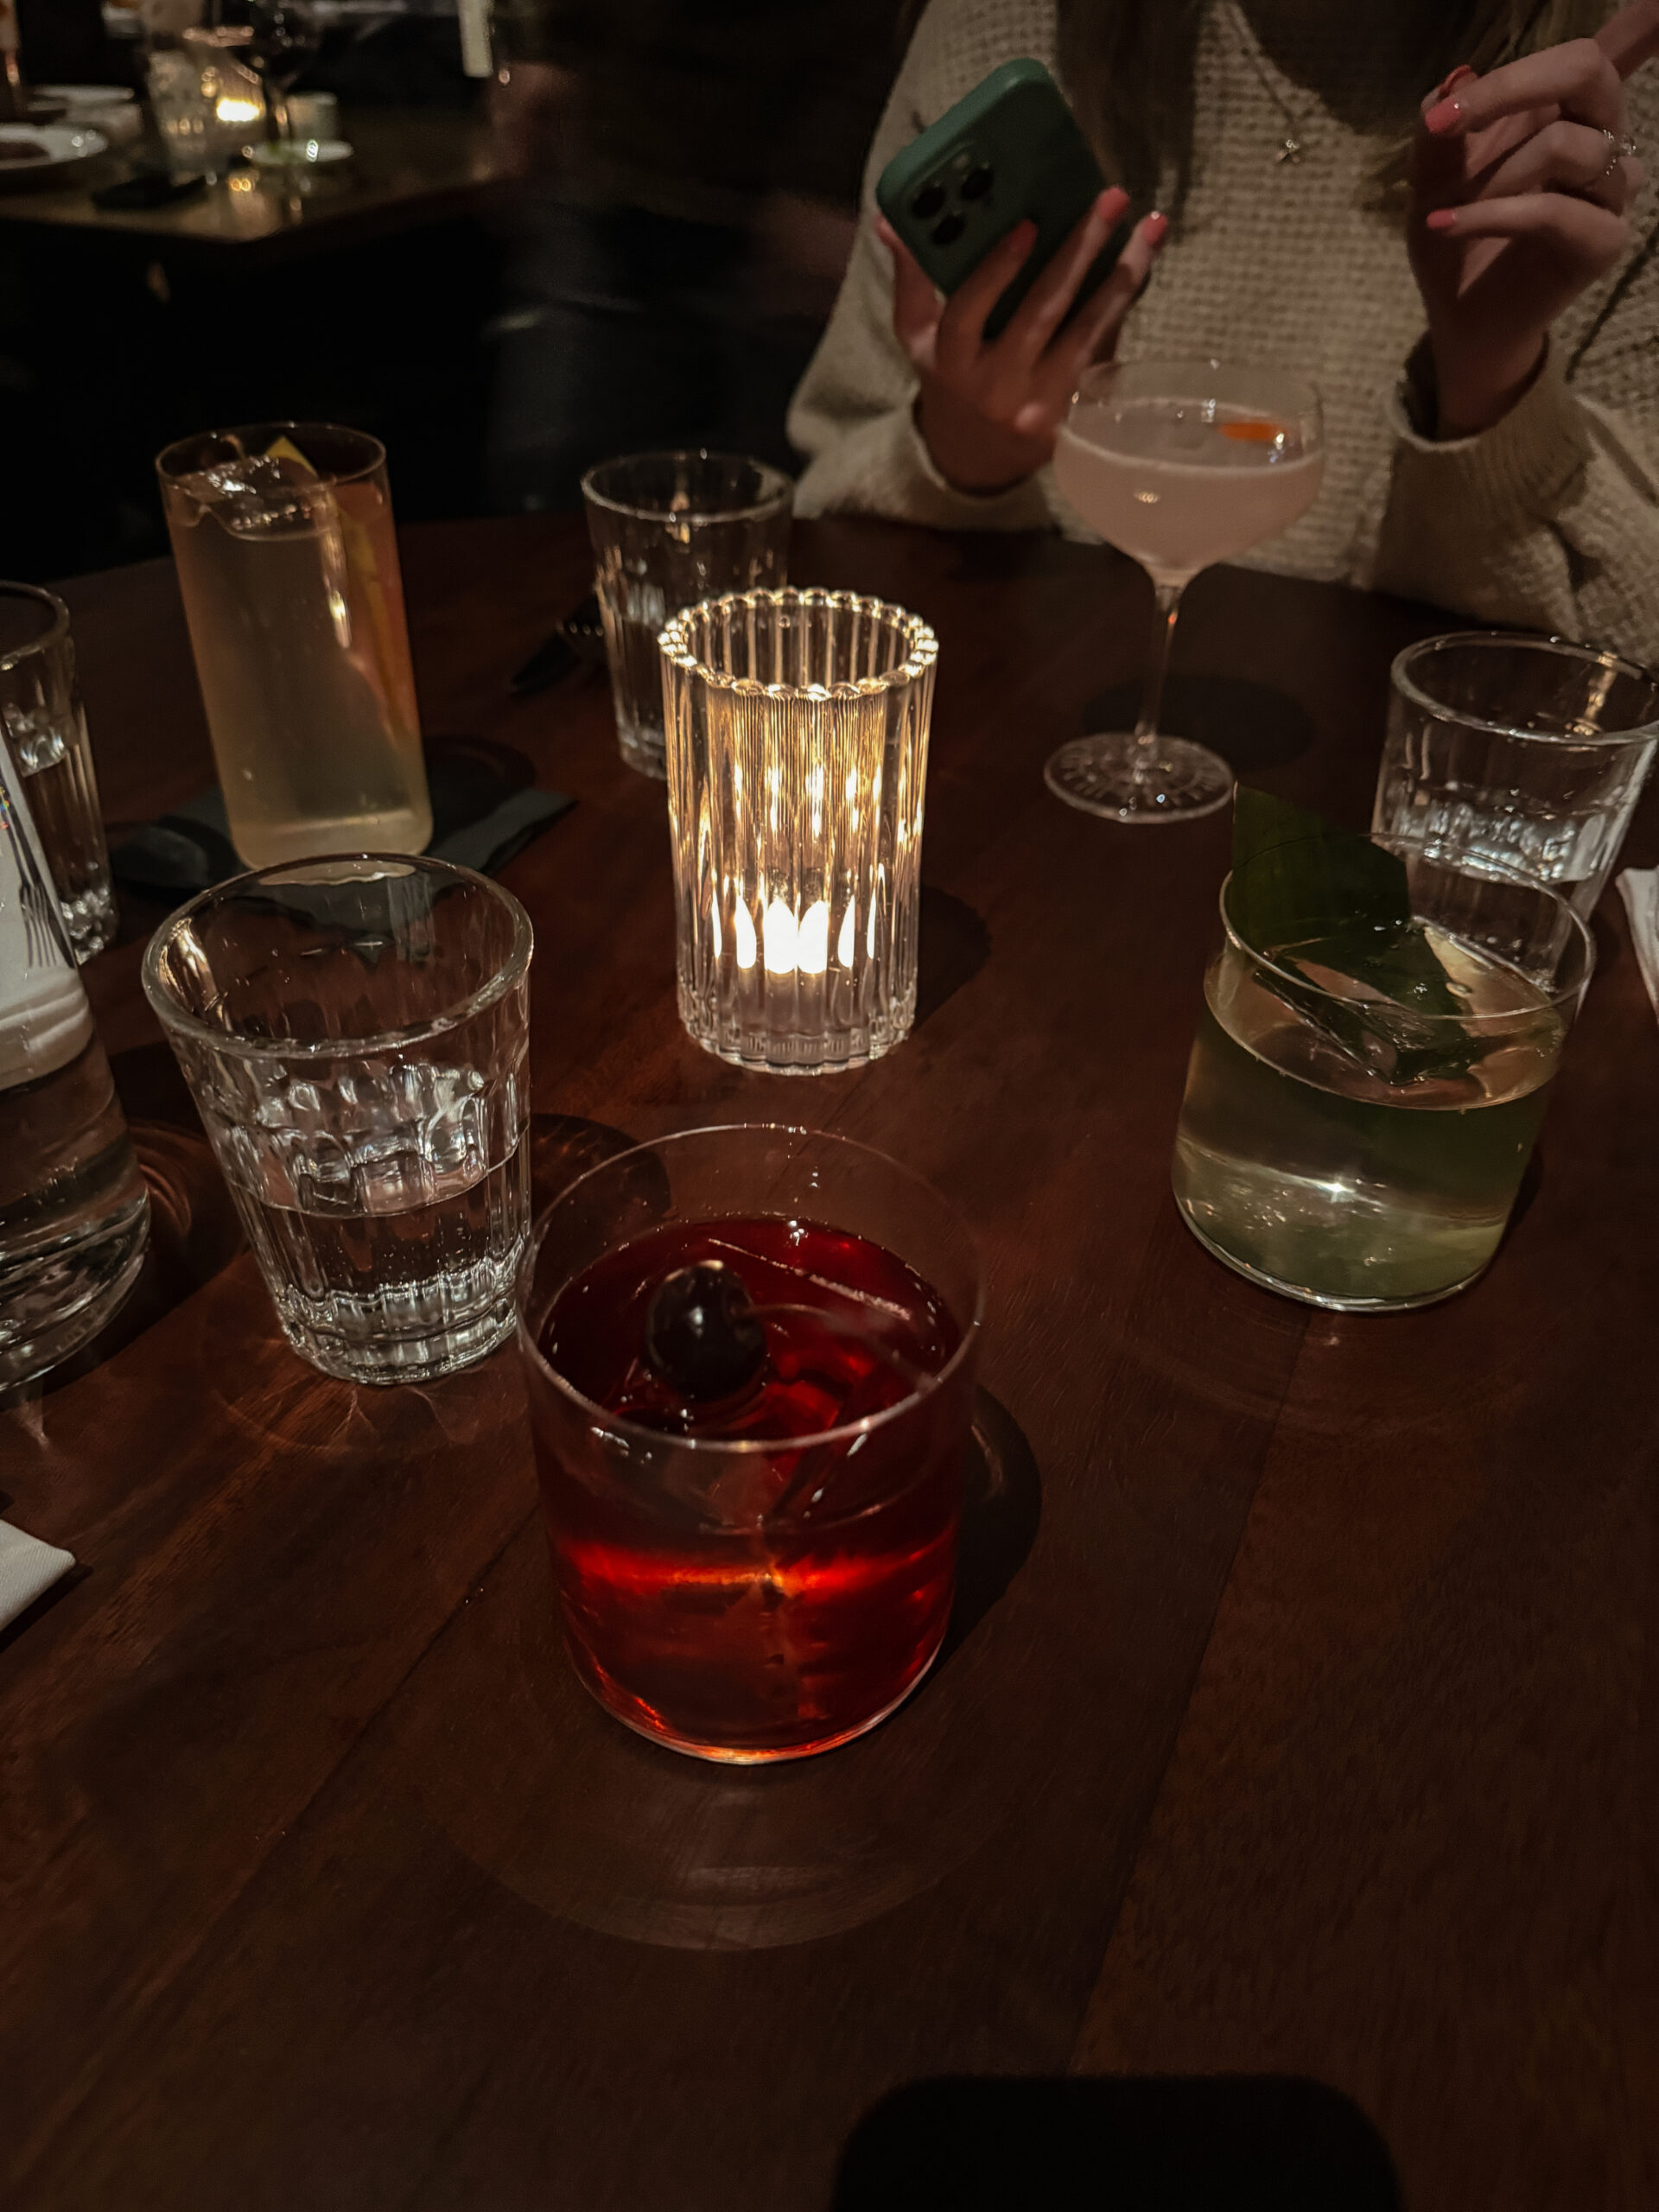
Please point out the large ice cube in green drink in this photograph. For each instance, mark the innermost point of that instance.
(1362, 1102)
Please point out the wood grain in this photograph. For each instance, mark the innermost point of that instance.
(1315, 1732)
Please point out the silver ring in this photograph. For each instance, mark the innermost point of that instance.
(1619, 149)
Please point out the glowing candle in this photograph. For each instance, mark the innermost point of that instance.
(796, 755)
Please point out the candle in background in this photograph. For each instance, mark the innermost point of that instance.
(797, 741)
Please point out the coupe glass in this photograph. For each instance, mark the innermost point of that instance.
(1178, 464)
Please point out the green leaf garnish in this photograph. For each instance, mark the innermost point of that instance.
(1330, 906)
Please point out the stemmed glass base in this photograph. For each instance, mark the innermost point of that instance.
(1128, 781)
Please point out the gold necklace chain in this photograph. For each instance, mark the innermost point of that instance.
(1291, 147)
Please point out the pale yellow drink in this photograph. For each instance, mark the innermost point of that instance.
(287, 565)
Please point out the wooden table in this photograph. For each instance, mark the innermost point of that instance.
(412, 166)
(1306, 1721)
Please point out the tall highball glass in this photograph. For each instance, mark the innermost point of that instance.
(668, 529)
(287, 565)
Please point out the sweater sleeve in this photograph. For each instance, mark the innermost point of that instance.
(853, 415)
(1550, 518)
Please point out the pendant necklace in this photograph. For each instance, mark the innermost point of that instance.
(1291, 147)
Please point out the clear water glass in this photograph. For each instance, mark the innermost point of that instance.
(355, 1033)
(45, 735)
(74, 1214)
(797, 728)
(184, 114)
(1526, 754)
(669, 528)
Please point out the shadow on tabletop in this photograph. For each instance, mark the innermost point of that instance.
(624, 1836)
(1252, 2143)
(1250, 725)
(954, 944)
(1001, 1506)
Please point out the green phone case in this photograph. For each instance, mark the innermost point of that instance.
(1010, 149)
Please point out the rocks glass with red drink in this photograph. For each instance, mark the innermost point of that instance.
(750, 1355)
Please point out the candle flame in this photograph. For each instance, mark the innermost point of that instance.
(779, 935)
(846, 941)
(743, 931)
(812, 939)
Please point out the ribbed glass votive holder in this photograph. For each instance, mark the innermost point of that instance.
(796, 728)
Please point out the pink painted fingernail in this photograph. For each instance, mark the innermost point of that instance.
(1445, 118)
(1156, 226)
(1441, 218)
(1457, 77)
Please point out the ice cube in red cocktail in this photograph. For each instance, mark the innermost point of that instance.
(749, 1432)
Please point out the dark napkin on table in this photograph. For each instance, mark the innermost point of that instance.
(485, 809)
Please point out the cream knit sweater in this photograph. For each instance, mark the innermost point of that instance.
(1550, 518)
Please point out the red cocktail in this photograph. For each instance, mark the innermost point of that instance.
(749, 1427)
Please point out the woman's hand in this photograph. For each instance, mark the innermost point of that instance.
(988, 409)
(1520, 185)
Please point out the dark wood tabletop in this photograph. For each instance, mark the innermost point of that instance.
(1301, 1717)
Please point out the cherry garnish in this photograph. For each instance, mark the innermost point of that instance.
(702, 1333)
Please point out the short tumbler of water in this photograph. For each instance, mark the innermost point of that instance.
(670, 528)
(46, 735)
(1524, 753)
(74, 1214)
(797, 727)
(288, 564)
(355, 1033)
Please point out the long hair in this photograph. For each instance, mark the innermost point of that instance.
(1128, 65)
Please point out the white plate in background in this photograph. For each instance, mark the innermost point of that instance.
(82, 96)
(69, 147)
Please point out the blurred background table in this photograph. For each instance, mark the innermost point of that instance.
(367, 299)
(411, 167)
(1300, 1718)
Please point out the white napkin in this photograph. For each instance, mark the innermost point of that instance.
(27, 1567)
(1639, 888)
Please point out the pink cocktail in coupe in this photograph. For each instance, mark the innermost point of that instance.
(1178, 464)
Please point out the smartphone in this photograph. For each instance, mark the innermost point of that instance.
(1010, 149)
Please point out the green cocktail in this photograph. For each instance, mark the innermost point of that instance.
(1362, 1098)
